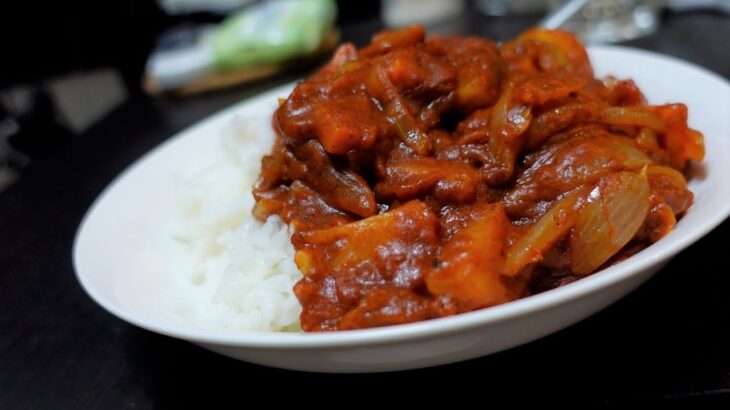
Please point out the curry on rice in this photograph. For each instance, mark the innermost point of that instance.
(428, 177)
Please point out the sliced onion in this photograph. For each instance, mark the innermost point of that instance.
(509, 121)
(632, 116)
(398, 114)
(543, 234)
(695, 148)
(647, 138)
(510, 118)
(612, 214)
(669, 174)
(565, 49)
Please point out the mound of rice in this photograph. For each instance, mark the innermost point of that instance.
(238, 272)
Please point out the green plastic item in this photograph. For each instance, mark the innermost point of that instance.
(271, 32)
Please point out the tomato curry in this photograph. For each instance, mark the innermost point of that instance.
(422, 178)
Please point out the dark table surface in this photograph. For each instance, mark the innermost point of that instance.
(669, 340)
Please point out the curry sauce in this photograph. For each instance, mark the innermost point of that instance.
(423, 178)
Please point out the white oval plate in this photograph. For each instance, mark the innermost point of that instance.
(119, 267)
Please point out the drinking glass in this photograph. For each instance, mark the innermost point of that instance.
(610, 21)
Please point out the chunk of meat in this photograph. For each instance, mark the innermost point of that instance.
(345, 123)
(344, 190)
(558, 119)
(449, 181)
(392, 306)
(419, 74)
(306, 210)
(344, 263)
(566, 165)
(478, 70)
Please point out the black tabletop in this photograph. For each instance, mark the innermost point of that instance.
(667, 341)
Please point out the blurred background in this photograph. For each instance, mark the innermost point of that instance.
(67, 65)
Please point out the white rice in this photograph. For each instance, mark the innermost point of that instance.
(238, 272)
